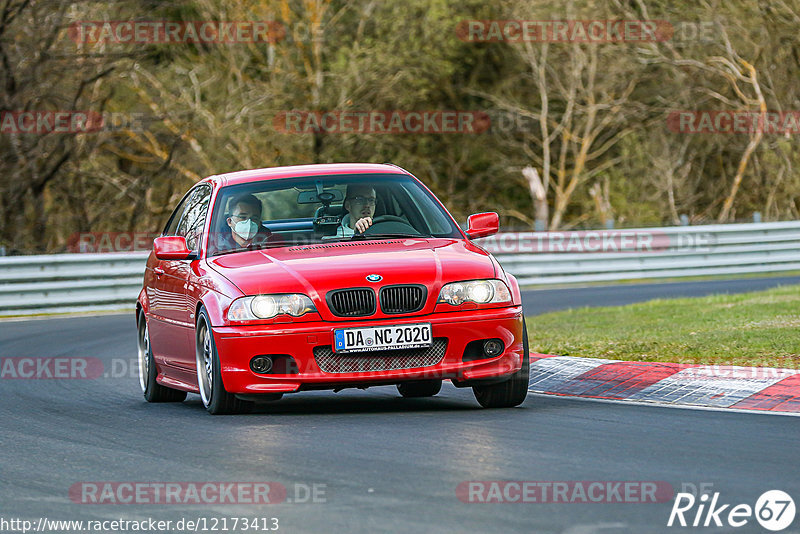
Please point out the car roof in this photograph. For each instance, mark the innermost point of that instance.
(297, 171)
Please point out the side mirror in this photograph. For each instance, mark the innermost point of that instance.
(172, 247)
(482, 225)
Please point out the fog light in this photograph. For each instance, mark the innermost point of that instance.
(493, 347)
(261, 364)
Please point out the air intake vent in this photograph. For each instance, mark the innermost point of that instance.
(386, 360)
(357, 302)
(402, 299)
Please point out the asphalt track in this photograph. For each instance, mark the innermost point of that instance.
(387, 464)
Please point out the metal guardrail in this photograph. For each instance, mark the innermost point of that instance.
(683, 251)
(87, 282)
(70, 282)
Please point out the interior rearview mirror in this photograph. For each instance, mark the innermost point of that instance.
(327, 196)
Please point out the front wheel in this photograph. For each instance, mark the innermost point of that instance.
(152, 390)
(209, 377)
(513, 391)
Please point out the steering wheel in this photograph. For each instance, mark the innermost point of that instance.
(390, 224)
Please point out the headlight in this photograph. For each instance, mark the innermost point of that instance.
(477, 291)
(269, 306)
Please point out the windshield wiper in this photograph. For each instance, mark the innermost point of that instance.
(255, 246)
(387, 236)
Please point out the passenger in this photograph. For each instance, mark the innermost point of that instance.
(244, 223)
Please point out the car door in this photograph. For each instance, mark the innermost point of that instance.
(171, 328)
(191, 227)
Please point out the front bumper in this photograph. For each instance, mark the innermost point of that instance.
(237, 345)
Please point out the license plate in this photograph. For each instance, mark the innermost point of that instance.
(407, 336)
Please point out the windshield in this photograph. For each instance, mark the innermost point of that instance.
(323, 209)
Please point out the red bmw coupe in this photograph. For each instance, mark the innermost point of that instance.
(289, 279)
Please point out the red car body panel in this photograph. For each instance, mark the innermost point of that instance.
(299, 340)
(318, 268)
(300, 171)
(174, 290)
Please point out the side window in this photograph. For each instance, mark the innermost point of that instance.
(194, 217)
(175, 218)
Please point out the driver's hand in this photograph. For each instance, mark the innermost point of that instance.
(362, 224)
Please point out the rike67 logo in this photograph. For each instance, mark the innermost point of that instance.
(774, 510)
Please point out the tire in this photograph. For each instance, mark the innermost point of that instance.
(152, 390)
(209, 377)
(513, 391)
(421, 388)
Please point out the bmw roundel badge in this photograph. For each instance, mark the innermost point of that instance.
(374, 277)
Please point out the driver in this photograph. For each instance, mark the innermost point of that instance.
(359, 201)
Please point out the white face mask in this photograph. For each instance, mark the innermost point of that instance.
(246, 229)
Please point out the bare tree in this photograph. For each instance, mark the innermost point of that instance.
(584, 107)
(742, 77)
(39, 72)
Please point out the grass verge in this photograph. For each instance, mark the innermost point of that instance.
(760, 329)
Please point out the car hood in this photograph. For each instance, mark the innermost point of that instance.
(317, 269)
